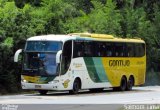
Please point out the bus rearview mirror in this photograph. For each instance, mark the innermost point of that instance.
(16, 55)
(58, 56)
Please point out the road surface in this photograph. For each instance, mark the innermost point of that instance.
(139, 95)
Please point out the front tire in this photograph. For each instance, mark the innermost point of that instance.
(76, 87)
(42, 92)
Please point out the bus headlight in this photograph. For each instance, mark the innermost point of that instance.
(25, 81)
(52, 82)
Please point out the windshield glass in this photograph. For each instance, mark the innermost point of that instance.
(44, 63)
(49, 46)
(40, 57)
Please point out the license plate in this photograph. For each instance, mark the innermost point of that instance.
(38, 86)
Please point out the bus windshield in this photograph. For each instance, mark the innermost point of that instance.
(40, 57)
(43, 46)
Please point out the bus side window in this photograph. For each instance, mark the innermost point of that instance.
(109, 50)
(100, 49)
(130, 50)
(139, 50)
(96, 49)
(78, 49)
(119, 49)
(103, 49)
(88, 50)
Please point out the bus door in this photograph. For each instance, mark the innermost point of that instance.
(66, 57)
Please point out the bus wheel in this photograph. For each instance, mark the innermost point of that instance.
(123, 84)
(76, 87)
(130, 83)
(43, 92)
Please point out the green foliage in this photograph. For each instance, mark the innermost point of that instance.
(14, 28)
(105, 18)
(8, 42)
(101, 19)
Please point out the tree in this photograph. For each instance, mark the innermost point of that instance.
(103, 18)
(15, 28)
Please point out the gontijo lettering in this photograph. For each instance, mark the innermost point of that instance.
(119, 63)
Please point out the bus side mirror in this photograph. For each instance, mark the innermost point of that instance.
(16, 55)
(58, 56)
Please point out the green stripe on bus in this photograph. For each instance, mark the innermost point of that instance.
(100, 69)
(91, 69)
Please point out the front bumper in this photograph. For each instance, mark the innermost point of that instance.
(34, 86)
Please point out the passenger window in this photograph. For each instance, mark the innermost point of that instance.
(139, 50)
(109, 49)
(78, 49)
(119, 50)
(88, 50)
(130, 50)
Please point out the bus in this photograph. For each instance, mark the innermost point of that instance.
(82, 61)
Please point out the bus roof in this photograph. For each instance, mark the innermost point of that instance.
(83, 36)
(106, 37)
(51, 37)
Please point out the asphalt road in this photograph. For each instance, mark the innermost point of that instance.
(84, 100)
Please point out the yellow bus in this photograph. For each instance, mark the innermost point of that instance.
(82, 61)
